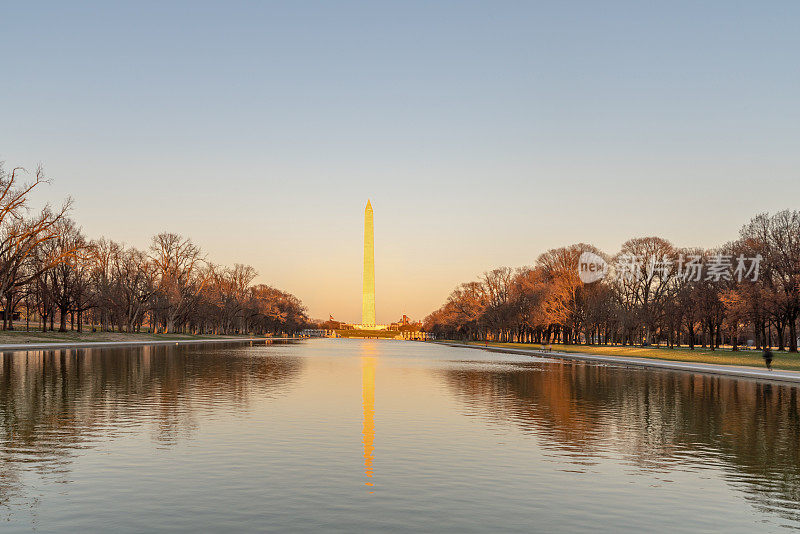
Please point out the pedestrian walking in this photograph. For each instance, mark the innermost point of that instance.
(768, 358)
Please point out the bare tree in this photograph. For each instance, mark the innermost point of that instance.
(180, 276)
(21, 236)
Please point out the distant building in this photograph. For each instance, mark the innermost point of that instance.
(414, 335)
(318, 332)
(406, 325)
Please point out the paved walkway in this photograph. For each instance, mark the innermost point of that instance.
(705, 368)
(18, 347)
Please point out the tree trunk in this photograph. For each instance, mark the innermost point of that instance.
(62, 327)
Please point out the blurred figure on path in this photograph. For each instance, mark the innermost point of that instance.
(768, 358)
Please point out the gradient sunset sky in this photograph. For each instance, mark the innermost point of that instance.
(484, 132)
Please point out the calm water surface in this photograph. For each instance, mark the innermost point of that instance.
(354, 435)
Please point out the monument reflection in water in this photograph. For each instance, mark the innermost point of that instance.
(244, 438)
(368, 408)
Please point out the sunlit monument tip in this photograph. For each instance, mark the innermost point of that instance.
(368, 292)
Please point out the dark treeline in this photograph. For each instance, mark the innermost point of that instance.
(54, 277)
(656, 302)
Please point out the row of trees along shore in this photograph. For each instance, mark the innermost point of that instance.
(547, 302)
(57, 278)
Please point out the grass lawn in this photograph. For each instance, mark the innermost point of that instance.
(750, 358)
(10, 337)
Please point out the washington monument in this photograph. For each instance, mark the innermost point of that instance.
(368, 293)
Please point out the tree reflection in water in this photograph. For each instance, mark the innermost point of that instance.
(653, 420)
(54, 403)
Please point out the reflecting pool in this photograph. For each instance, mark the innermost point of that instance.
(357, 435)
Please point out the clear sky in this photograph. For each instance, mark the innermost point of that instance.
(484, 132)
